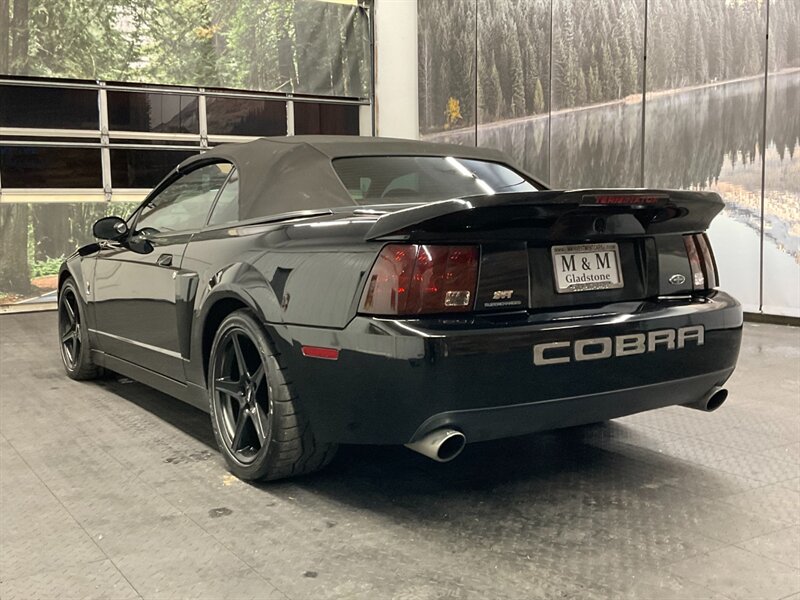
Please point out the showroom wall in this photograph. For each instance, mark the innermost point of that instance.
(563, 87)
(99, 99)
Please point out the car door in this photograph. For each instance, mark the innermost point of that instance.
(138, 282)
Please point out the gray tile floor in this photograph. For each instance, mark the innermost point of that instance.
(111, 490)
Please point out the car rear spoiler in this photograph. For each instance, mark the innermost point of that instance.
(563, 213)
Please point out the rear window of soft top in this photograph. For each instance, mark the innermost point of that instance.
(401, 179)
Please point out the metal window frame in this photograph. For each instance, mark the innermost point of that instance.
(172, 89)
(105, 139)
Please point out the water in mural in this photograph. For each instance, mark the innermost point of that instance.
(704, 115)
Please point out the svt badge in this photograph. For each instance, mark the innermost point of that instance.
(502, 294)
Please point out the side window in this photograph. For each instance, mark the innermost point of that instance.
(184, 204)
(227, 208)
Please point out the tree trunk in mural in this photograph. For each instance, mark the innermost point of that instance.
(4, 39)
(18, 40)
(51, 230)
(14, 269)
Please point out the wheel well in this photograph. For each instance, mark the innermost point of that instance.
(216, 314)
(62, 277)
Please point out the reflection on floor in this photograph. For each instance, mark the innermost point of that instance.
(113, 490)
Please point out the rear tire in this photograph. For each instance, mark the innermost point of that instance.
(76, 354)
(258, 422)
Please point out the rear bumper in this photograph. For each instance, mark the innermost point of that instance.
(482, 424)
(396, 380)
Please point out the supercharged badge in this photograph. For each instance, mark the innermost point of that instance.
(555, 353)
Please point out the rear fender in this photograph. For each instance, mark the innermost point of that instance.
(237, 286)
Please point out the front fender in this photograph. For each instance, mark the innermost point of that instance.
(81, 269)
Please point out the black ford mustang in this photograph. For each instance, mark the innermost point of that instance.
(310, 291)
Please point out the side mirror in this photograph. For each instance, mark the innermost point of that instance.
(110, 228)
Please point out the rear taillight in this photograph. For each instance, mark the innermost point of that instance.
(701, 259)
(414, 279)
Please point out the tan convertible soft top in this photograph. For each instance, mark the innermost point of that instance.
(286, 174)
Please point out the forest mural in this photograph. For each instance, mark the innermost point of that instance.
(35, 238)
(560, 85)
(293, 46)
(597, 51)
(301, 46)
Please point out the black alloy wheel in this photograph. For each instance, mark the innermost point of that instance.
(241, 396)
(69, 319)
(258, 421)
(73, 335)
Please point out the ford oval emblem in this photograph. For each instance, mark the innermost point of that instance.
(677, 279)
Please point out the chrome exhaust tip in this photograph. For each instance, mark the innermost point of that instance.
(442, 445)
(711, 401)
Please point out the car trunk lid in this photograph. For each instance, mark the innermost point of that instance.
(565, 248)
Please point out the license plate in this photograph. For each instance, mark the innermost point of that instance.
(586, 267)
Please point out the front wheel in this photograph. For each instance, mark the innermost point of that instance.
(258, 423)
(73, 335)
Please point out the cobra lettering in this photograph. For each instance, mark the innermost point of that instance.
(629, 344)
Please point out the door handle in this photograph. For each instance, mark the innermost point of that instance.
(165, 260)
